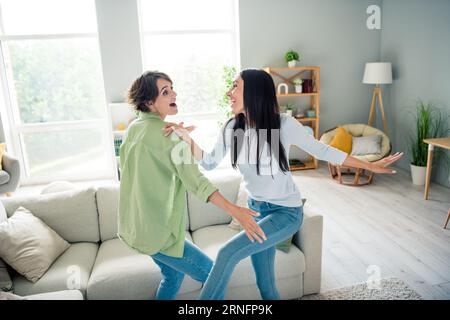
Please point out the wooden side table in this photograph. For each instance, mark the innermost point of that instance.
(442, 143)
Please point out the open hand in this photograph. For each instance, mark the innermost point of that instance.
(380, 166)
(245, 218)
(179, 129)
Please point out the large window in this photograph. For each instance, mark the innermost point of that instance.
(53, 89)
(192, 41)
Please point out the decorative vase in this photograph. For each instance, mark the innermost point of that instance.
(292, 63)
(307, 85)
(298, 88)
(289, 113)
(282, 86)
(418, 175)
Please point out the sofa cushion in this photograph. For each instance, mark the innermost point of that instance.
(57, 295)
(70, 271)
(121, 273)
(5, 279)
(342, 140)
(28, 245)
(365, 145)
(4, 177)
(362, 130)
(58, 186)
(107, 204)
(72, 214)
(6, 283)
(211, 239)
(205, 214)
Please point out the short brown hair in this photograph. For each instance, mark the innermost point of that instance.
(144, 89)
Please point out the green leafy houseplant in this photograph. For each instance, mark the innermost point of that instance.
(291, 55)
(297, 81)
(228, 74)
(431, 122)
(287, 106)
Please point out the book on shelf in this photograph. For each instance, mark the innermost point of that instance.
(296, 162)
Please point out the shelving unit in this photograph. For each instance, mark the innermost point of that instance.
(119, 114)
(287, 75)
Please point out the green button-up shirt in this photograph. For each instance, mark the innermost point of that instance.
(152, 202)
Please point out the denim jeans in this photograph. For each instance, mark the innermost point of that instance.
(194, 263)
(278, 224)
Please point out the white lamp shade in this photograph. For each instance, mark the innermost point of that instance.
(378, 73)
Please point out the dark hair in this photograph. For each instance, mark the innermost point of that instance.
(144, 89)
(261, 111)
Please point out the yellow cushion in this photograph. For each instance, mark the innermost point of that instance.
(342, 140)
(2, 152)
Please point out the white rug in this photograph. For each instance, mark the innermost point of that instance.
(389, 289)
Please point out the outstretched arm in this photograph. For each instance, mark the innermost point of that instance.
(377, 166)
(195, 182)
(297, 135)
(243, 215)
(207, 160)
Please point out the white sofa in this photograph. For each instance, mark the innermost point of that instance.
(102, 267)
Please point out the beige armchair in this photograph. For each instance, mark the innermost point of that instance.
(9, 175)
(354, 176)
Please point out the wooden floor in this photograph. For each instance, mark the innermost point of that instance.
(386, 227)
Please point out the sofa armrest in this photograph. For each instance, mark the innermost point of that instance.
(309, 240)
(11, 165)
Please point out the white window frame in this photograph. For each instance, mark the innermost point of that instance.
(13, 128)
(233, 31)
(236, 59)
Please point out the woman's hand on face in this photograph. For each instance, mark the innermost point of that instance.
(179, 129)
(380, 166)
(245, 218)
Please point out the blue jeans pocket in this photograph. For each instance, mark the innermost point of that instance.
(254, 204)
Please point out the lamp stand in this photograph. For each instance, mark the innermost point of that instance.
(377, 93)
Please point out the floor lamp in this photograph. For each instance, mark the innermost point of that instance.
(378, 73)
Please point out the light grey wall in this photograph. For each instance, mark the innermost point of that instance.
(416, 39)
(328, 33)
(118, 31)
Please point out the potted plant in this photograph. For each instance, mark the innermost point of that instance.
(298, 85)
(288, 108)
(228, 74)
(431, 122)
(291, 58)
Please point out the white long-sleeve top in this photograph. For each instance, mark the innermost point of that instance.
(272, 185)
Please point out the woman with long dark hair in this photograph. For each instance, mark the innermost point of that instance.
(152, 201)
(259, 138)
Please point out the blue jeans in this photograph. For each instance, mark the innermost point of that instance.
(278, 224)
(194, 263)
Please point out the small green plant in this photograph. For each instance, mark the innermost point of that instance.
(431, 122)
(297, 81)
(291, 55)
(286, 107)
(289, 106)
(228, 74)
